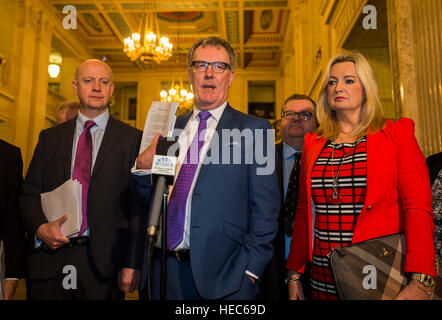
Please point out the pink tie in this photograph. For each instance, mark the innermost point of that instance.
(176, 212)
(82, 168)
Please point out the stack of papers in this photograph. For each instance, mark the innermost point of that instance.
(160, 118)
(66, 199)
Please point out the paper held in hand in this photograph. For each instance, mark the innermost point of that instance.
(160, 118)
(64, 199)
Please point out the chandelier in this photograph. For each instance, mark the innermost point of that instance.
(177, 93)
(146, 44)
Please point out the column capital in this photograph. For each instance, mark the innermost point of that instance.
(29, 14)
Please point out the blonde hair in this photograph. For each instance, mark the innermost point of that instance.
(372, 119)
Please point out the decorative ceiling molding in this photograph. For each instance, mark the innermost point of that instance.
(249, 25)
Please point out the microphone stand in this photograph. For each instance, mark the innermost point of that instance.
(161, 192)
(164, 245)
(159, 207)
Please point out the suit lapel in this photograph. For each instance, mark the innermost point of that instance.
(182, 121)
(67, 141)
(110, 137)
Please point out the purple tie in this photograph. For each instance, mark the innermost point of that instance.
(176, 211)
(82, 168)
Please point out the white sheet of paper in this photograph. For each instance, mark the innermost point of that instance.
(160, 118)
(64, 199)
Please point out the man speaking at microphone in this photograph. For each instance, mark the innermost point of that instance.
(222, 216)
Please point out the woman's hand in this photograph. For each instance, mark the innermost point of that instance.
(295, 290)
(415, 291)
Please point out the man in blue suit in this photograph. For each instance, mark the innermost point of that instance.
(223, 208)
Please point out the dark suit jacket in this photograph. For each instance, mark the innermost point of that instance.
(273, 285)
(116, 223)
(233, 210)
(11, 230)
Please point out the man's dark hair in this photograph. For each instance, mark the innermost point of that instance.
(297, 96)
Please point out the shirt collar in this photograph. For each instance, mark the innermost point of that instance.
(288, 151)
(100, 121)
(216, 113)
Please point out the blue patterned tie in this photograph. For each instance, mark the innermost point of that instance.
(176, 212)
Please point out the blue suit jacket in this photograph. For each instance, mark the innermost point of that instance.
(234, 210)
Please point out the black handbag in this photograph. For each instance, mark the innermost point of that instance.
(373, 269)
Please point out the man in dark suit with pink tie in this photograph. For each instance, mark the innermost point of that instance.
(98, 151)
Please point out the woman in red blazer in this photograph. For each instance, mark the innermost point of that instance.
(362, 177)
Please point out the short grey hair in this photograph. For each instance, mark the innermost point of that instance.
(213, 42)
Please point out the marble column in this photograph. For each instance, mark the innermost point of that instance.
(37, 114)
(415, 51)
(24, 59)
(427, 30)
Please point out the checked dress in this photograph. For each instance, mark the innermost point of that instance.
(335, 223)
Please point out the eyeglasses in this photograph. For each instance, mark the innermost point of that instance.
(217, 66)
(290, 115)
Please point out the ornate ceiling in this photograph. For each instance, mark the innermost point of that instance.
(254, 28)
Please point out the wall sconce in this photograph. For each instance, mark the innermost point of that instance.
(54, 70)
(2, 59)
(55, 61)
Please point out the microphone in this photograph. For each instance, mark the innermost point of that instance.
(163, 173)
(165, 159)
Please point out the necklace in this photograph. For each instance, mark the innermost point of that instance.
(336, 197)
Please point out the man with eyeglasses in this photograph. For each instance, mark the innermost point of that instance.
(297, 118)
(221, 216)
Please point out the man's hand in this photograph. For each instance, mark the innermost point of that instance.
(50, 233)
(145, 159)
(10, 286)
(129, 279)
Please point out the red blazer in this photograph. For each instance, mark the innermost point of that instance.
(398, 197)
